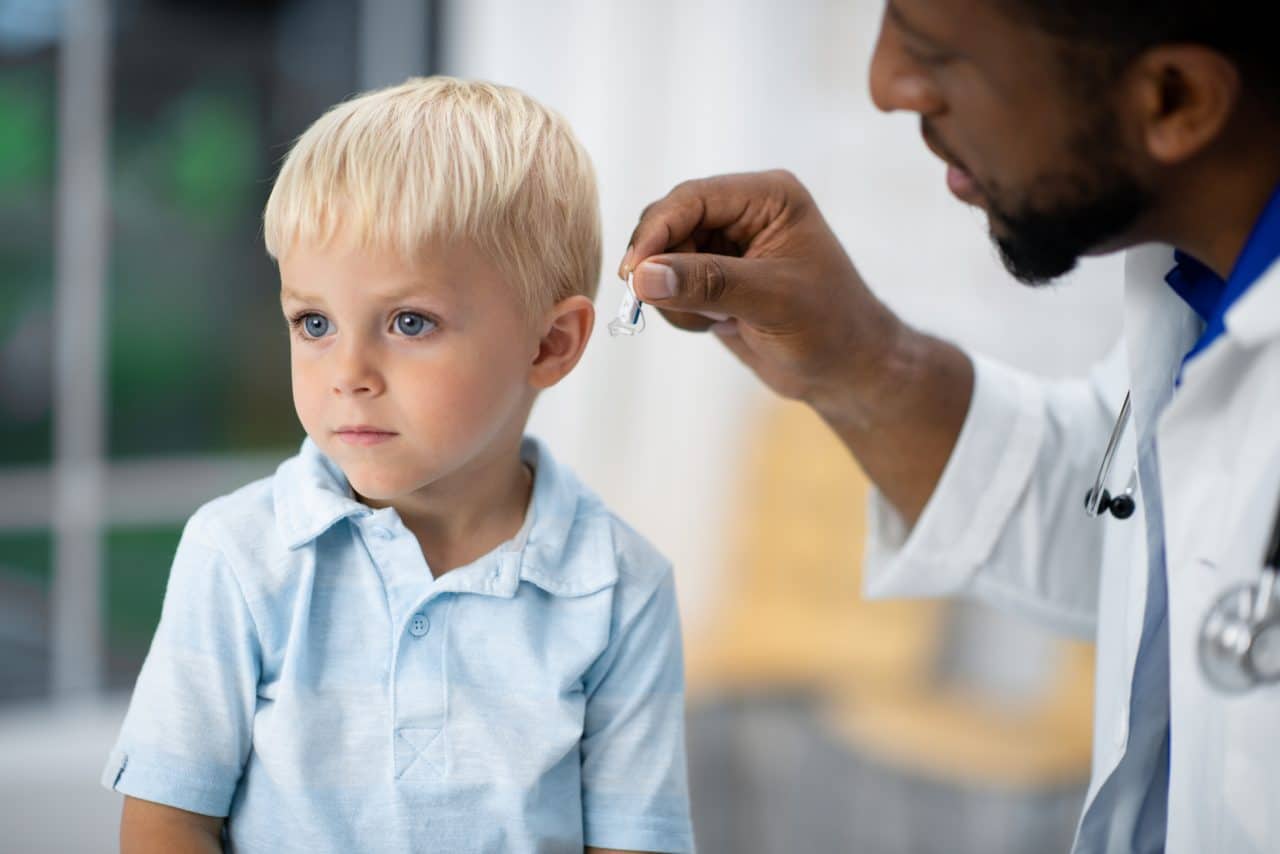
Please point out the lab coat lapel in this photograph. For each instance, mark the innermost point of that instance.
(1221, 476)
(1159, 330)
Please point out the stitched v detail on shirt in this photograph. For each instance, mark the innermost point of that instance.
(412, 749)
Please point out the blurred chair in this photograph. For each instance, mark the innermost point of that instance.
(820, 721)
(793, 615)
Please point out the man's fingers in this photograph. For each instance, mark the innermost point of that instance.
(737, 204)
(655, 280)
(718, 286)
(688, 321)
(664, 225)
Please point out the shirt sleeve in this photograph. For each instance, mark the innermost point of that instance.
(1006, 522)
(186, 736)
(634, 777)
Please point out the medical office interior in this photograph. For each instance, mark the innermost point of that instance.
(143, 370)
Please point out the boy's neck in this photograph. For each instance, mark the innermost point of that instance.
(470, 513)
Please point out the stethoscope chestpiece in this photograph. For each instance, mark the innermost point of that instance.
(1240, 637)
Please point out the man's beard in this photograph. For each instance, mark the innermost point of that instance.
(1090, 206)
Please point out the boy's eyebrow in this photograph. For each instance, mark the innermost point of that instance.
(290, 294)
(409, 289)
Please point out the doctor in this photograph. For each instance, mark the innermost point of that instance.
(1079, 128)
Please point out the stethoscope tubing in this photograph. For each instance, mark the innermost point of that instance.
(1225, 662)
(1093, 499)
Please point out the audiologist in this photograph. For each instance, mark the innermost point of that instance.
(1140, 504)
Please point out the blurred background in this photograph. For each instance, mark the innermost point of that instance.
(143, 370)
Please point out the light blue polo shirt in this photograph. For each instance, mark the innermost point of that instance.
(312, 682)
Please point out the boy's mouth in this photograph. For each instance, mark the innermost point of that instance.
(364, 435)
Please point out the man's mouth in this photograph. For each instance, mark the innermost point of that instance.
(962, 186)
(959, 181)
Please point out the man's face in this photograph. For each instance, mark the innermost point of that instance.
(1049, 163)
(406, 375)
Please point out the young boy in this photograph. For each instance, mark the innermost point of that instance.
(421, 634)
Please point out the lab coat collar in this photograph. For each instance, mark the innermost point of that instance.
(1159, 329)
(1255, 318)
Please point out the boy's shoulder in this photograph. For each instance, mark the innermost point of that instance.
(255, 523)
(597, 548)
(637, 558)
(240, 522)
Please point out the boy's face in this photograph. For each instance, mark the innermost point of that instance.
(405, 374)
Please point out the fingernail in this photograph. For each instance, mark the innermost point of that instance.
(654, 281)
(625, 266)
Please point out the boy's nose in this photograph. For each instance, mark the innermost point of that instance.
(354, 388)
(355, 374)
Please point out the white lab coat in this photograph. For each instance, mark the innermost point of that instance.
(1006, 523)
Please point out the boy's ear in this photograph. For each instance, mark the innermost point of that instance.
(567, 328)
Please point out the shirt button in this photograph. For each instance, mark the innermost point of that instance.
(382, 533)
(419, 625)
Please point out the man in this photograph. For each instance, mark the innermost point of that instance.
(1079, 127)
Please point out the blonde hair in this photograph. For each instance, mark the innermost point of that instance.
(438, 158)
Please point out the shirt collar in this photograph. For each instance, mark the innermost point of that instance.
(311, 495)
(564, 547)
(1220, 303)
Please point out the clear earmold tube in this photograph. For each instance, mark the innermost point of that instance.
(630, 317)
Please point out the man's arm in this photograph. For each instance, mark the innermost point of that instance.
(1007, 455)
(151, 828)
(751, 258)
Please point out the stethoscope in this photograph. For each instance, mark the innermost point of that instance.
(1239, 646)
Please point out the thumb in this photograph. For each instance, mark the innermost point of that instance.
(708, 284)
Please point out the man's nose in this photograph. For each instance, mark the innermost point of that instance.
(897, 82)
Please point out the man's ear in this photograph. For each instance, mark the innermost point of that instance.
(1187, 94)
(567, 328)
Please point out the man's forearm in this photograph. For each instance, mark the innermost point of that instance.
(901, 416)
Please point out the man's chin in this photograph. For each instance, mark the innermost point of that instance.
(1034, 266)
(1042, 264)
(1040, 246)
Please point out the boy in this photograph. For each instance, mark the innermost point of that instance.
(421, 634)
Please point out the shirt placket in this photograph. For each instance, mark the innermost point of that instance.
(418, 617)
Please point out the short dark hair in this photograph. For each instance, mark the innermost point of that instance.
(1120, 30)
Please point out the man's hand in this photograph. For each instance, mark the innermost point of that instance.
(750, 257)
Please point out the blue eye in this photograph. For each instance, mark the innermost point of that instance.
(413, 325)
(315, 325)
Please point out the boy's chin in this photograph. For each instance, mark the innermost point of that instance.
(376, 486)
